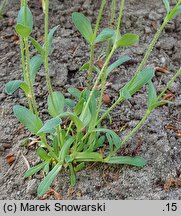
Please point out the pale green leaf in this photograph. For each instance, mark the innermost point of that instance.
(46, 183)
(83, 25)
(27, 118)
(134, 161)
(127, 40)
(56, 106)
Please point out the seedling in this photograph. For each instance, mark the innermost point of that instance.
(74, 133)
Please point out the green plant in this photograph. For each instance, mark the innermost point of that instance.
(70, 144)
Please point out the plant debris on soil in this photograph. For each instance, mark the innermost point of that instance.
(158, 141)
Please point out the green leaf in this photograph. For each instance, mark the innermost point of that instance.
(37, 46)
(87, 156)
(167, 5)
(137, 83)
(23, 30)
(177, 12)
(46, 183)
(74, 92)
(50, 125)
(117, 63)
(127, 40)
(79, 106)
(35, 64)
(83, 25)
(105, 35)
(86, 67)
(79, 167)
(43, 154)
(72, 175)
(134, 161)
(56, 106)
(12, 86)
(35, 169)
(65, 148)
(114, 136)
(24, 24)
(99, 142)
(50, 37)
(152, 95)
(56, 148)
(160, 103)
(109, 138)
(27, 118)
(69, 103)
(79, 124)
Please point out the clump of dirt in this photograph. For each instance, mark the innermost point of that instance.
(157, 141)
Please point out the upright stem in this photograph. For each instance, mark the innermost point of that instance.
(24, 71)
(113, 7)
(32, 96)
(49, 86)
(104, 72)
(93, 45)
(46, 65)
(96, 83)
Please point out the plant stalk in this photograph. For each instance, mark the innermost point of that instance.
(32, 96)
(24, 71)
(92, 46)
(104, 72)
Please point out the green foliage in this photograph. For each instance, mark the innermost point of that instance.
(56, 104)
(137, 83)
(83, 25)
(134, 161)
(117, 63)
(104, 35)
(167, 5)
(12, 86)
(24, 21)
(27, 118)
(127, 40)
(75, 133)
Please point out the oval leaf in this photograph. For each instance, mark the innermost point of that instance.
(45, 184)
(50, 125)
(12, 86)
(27, 118)
(152, 95)
(24, 24)
(35, 64)
(128, 40)
(105, 35)
(56, 106)
(134, 161)
(137, 83)
(83, 25)
(43, 154)
(22, 30)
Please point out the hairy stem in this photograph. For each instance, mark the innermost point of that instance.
(24, 71)
(103, 81)
(32, 95)
(93, 44)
